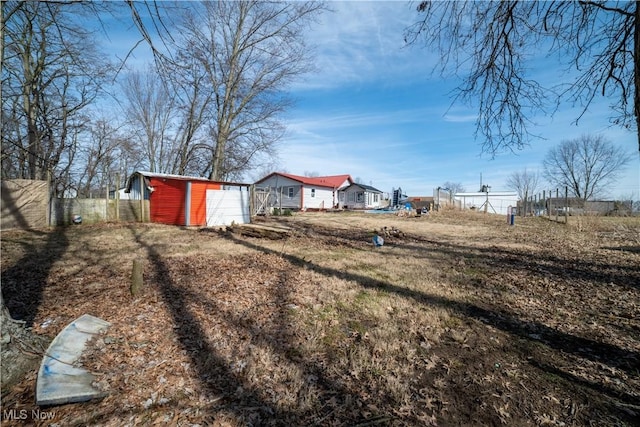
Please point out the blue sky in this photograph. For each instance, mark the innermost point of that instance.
(373, 109)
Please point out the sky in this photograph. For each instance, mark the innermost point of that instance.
(374, 109)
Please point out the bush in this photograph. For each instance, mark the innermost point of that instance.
(282, 212)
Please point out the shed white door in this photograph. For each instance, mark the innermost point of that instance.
(227, 206)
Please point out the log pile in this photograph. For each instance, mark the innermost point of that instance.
(261, 231)
(390, 232)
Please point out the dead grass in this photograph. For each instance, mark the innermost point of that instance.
(460, 321)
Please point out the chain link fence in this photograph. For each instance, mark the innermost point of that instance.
(558, 205)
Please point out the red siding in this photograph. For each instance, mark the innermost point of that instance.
(167, 202)
(198, 216)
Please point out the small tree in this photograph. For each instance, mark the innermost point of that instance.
(453, 187)
(525, 183)
(586, 165)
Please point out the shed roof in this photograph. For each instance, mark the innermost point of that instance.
(365, 187)
(176, 177)
(331, 181)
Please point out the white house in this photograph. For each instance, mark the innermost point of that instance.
(287, 191)
(361, 196)
(121, 194)
(492, 202)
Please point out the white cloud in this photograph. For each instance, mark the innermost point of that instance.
(361, 41)
(460, 118)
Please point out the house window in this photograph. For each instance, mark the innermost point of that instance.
(359, 197)
(290, 192)
(313, 192)
(375, 198)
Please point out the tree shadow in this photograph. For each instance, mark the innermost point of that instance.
(253, 404)
(10, 203)
(632, 249)
(214, 373)
(574, 379)
(504, 320)
(23, 283)
(281, 341)
(551, 264)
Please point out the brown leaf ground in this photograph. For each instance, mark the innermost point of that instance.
(460, 320)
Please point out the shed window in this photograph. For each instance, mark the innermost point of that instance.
(290, 192)
(313, 192)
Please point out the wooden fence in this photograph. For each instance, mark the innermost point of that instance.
(97, 210)
(27, 204)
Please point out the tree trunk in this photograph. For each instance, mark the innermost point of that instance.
(21, 350)
(636, 70)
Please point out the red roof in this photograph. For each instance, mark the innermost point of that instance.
(331, 181)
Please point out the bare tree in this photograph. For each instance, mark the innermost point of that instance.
(150, 111)
(188, 83)
(453, 187)
(524, 182)
(267, 169)
(250, 51)
(491, 42)
(586, 165)
(51, 73)
(100, 158)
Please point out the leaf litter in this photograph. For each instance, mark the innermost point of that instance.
(457, 320)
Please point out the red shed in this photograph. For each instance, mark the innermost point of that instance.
(190, 201)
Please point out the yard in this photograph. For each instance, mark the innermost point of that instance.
(459, 319)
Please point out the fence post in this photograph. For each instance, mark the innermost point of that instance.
(252, 201)
(486, 202)
(118, 197)
(49, 199)
(141, 197)
(566, 202)
(106, 202)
